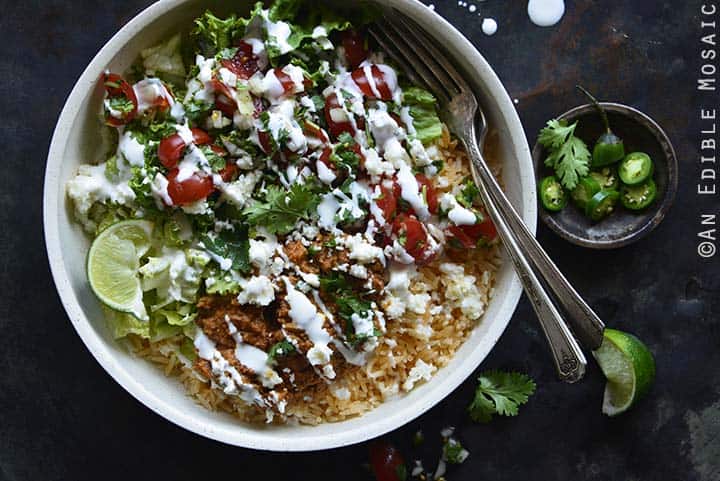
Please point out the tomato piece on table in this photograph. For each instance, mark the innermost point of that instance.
(171, 148)
(117, 87)
(381, 91)
(386, 461)
(354, 46)
(196, 187)
(336, 127)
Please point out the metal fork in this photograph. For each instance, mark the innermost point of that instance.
(410, 47)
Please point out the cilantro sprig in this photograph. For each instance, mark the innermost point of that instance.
(569, 155)
(500, 393)
(282, 209)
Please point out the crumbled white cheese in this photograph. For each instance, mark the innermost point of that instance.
(256, 290)
(420, 371)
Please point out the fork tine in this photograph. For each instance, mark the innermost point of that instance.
(445, 70)
(393, 42)
(387, 45)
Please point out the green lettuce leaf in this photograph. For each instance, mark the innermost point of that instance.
(121, 324)
(423, 111)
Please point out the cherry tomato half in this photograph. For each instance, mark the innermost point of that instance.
(194, 188)
(229, 172)
(336, 128)
(354, 46)
(285, 80)
(171, 148)
(386, 461)
(115, 87)
(381, 87)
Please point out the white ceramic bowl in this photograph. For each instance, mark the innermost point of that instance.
(75, 141)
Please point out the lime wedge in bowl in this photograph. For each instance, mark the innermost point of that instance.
(113, 262)
(629, 368)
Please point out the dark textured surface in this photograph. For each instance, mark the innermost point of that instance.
(63, 418)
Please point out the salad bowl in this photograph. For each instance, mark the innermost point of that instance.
(77, 140)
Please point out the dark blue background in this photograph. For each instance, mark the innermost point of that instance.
(63, 418)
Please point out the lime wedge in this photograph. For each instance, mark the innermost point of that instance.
(629, 368)
(113, 263)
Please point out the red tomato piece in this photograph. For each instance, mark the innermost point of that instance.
(116, 86)
(192, 189)
(469, 235)
(336, 128)
(354, 46)
(285, 80)
(381, 86)
(386, 461)
(325, 157)
(229, 172)
(265, 143)
(412, 236)
(312, 130)
(387, 203)
(244, 63)
(427, 186)
(171, 148)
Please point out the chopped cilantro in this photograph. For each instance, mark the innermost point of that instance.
(282, 209)
(230, 244)
(282, 348)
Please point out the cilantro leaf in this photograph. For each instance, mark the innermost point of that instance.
(568, 155)
(282, 209)
(230, 244)
(282, 348)
(500, 393)
(556, 133)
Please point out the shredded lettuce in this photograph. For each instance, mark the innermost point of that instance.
(174, 275)
(422, 106)
(164, 58)
(121, 324)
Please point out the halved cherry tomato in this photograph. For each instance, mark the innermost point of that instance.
(387, 202)
(116, 86)
(171, 148)
(225, 105)
(429, 191)
(192, 189)
(386, 461)
(381, 86)
(412, 236)
(354, 46)
(336, 128)
(469, 235)
(244, 63)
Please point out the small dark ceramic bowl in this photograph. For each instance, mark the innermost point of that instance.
(639, 133)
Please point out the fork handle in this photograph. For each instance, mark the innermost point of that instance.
(569, 359)
(586, 324)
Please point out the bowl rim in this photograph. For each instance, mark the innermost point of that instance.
(260, 439)
(663, 206)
